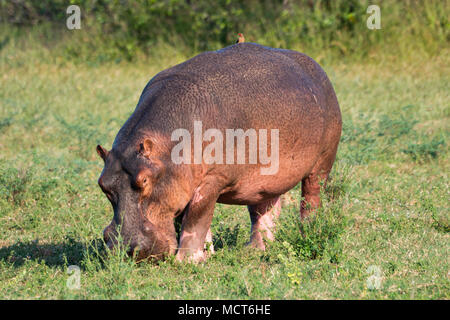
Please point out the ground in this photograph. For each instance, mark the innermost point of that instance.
(383, 232)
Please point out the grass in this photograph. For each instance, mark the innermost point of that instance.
(385, 207)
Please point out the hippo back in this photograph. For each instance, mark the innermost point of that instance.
(244, 86)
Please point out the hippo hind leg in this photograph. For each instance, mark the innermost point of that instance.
(310, 194)
(263, 218)
(311, 184)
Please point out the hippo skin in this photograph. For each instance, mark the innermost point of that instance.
(245, 86)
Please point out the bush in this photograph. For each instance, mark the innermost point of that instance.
(126, 28)
(319, 235)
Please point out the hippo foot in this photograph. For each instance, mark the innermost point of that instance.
(195, 257)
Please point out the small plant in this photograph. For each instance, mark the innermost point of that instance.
(441, 221)
(317, 237)
(14, 183)
(425, 150)
(290, 262)
(439, 216)
(339, 182)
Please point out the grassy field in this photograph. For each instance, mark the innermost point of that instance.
(383, 232)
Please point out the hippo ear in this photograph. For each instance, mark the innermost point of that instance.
(146, 147)
(102, 152)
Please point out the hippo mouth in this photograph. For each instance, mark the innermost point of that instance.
(148, 244)
(152, 244)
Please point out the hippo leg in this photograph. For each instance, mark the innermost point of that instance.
(196, 224)
(208, 240)
(312, 183)
(263, 217)
(310, 194)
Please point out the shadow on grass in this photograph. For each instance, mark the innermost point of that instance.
(70, 252)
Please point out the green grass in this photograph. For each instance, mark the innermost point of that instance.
(386, 205)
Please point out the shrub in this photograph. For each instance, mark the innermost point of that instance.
(121, 28)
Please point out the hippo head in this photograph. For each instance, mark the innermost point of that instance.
(146, 195)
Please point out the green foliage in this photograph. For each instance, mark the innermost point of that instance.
(393, 128)
(319, 234)
(114, 30)
(318, 237)
(370, 137)
(441, 220)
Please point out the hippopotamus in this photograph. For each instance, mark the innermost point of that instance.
(245, 92)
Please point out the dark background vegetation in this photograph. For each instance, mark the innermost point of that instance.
(122, 29)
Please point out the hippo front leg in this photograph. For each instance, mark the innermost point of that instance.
(196, 224)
